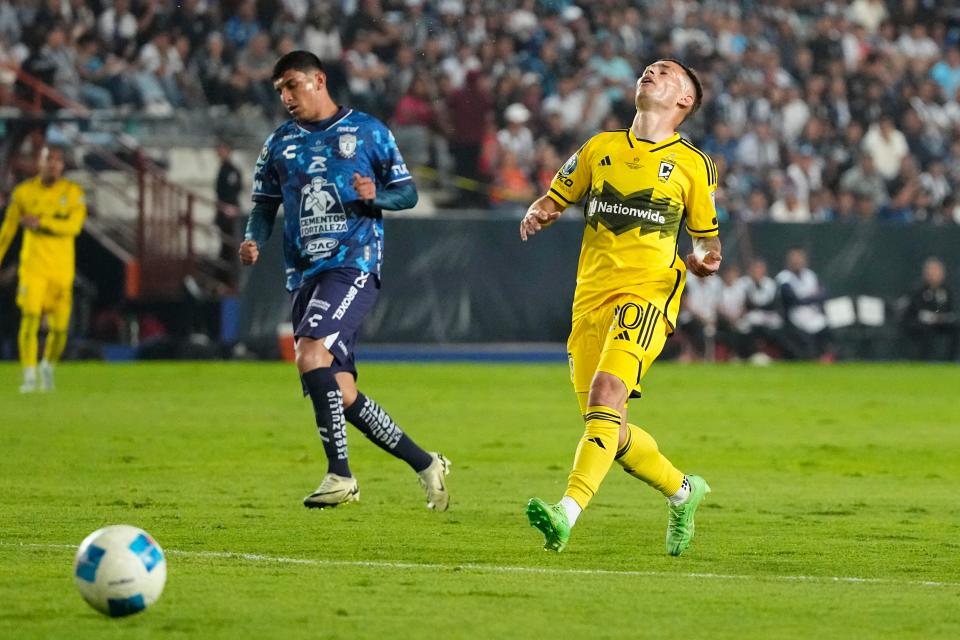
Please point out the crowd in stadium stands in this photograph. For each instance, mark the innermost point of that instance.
(832, 110)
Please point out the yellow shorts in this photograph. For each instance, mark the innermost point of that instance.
(622, 338)
(37, 295)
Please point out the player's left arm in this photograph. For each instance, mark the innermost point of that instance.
(702, 220)
(70, 222)
(391, 186)
(395, 197)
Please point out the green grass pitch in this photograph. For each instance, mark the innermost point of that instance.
(834, 513)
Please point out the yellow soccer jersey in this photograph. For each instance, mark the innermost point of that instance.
(48, 250)
(638, 194)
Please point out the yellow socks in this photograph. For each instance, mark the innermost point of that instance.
(27, 340)
(640, 457)
(595, 453)
(56, 341)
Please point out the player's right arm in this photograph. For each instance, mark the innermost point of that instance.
(568, 186)
(267, 196)
(10, 223)
(540, 214)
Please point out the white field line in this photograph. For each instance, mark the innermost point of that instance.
(487, 568)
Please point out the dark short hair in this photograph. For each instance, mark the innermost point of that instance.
(697, 85)
(54, 147)
(298, 61)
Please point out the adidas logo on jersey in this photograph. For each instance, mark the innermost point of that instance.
(605, 162)
(623, 336)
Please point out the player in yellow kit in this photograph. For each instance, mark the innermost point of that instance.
(641, 185)
(51, 211)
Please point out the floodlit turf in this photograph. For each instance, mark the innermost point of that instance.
(821, 476)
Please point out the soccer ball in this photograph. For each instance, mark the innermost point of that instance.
(120, 570)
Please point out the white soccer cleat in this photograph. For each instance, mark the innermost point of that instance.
(46, 376)
(334, 490)
(431, 479)
(29, 380)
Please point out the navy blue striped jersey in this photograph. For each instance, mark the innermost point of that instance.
(310, 168)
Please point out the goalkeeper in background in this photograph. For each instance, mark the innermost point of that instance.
(51, 211)
(642, 185)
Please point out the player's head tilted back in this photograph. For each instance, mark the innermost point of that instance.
(51, 163)
(299, 78)
(668, 86)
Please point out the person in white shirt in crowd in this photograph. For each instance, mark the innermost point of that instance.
(759, 149)
(886, 145)
(761, 323)
(802, 298)
(698, 316)
(805, 171)
(730, 312)
(790, 208)
(516, 136)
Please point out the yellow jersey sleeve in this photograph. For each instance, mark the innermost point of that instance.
(699, 200)
(11, 222)
(70, 221)
(573, 179)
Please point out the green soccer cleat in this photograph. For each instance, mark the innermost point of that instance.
(680, 523)
(552, 522)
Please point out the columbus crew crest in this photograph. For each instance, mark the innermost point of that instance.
(666, 168)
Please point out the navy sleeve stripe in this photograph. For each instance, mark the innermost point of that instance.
(559, 195)
(711, 170)
(703, 230)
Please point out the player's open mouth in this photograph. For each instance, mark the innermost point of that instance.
(646, 81)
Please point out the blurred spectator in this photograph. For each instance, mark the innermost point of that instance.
(256, 62)
(698, 317)
(469, 107)
(761, 323)
(790, 208)
(365, 72)
(946, 72)
(512, 189)
(242, 26)
(758, 149)
(864, 180)
(887, 146)
(930, 319)
(516, 137)
(416, 120)
(229, 186)
(802, 297)
(118, 27)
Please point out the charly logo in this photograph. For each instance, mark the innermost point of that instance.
(348, 145)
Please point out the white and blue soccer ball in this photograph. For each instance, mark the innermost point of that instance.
(120, 570)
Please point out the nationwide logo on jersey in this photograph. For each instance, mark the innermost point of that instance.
(321, 212)
(666, 168)
(348, 145)
(621, 213)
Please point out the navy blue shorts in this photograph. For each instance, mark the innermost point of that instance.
(330, 307)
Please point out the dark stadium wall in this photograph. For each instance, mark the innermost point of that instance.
(463, 279)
